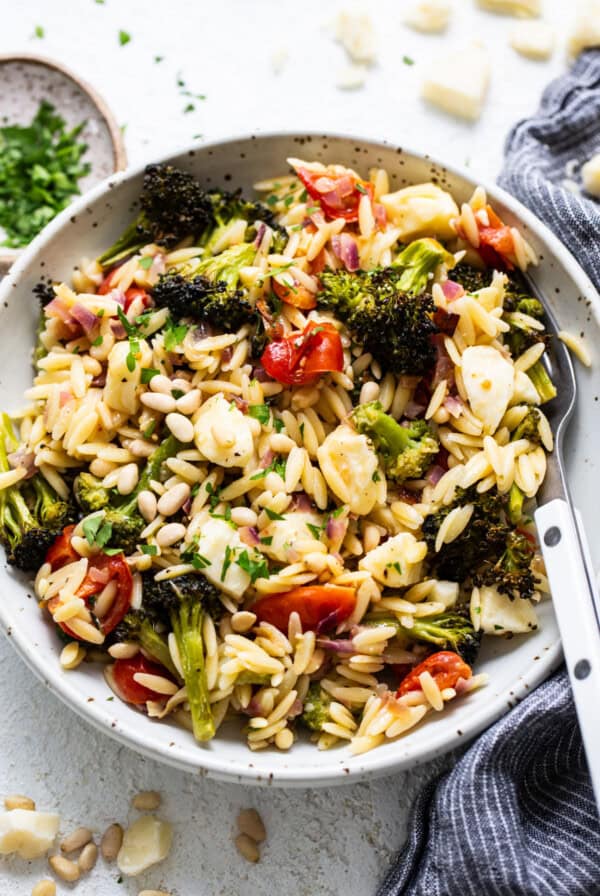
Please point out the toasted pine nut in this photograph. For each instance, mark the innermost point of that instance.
(72, 655)
(369, 392)
(250, 823)
(244, 516)
(147, 505)
(247, 847)
(123, 650)
(181, 427)
(284, 739)
(173, 499)
(44, 888)
(146, 801)
(162, 384)
(189, 403)
(76, 840)
(88, 857)
(158, 402)
(17, 801)
(64, 868)
(141, 448)
(242, 621)
(127, 479)
(110, 844)
(170, 534)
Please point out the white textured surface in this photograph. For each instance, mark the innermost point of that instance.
(320, 843)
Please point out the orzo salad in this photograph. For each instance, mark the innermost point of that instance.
(279, 458)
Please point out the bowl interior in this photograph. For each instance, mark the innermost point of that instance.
(515, 666)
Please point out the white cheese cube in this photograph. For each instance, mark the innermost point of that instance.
(489, 383)
(349, 466)
(445, 593)
(428, 16)
(223, 434)
(397, 562)
(145, 843)
(535, 40)
(120, 390)
(220, 544)
(355, 32)
(586, 31)
(496, 614)
(521, 8)
(351, 77)
(284, 534)
(421, 210)
(27, 833)
(590, 174)
(457, 82)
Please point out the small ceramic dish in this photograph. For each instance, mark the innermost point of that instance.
(515, 666)
(26, 80)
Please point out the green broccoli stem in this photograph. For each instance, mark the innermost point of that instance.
(224, 267)
(187, 628)
(419, 260)
(542, 382)
(127, 243)
(163, 452)
(384, 431)
(514, 507)
(156, 646)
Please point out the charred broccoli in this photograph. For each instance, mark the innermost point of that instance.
(208, 289)
(528, 428)
(31, 512)
(138, 626)
(511, 574)
(452, 630)
(395, 326)
(182, 603)
(418, 262)
(523, 334)
(173, 206)
(316, 707)
(405, 451)
(120, 513)
(230, 207)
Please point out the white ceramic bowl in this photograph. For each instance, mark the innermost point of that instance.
(515, 666)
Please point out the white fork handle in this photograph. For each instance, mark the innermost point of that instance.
(574, 589)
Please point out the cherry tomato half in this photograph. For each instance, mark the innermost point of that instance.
(320, 607)
(497, 244)
(108, 281)
(338, 192)
(445, 667)
(293, 293)
(130, 690)
(297, 359)
(135, 292)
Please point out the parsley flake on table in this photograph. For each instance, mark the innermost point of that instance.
(40, 166)
(124, 38)
(39, 32)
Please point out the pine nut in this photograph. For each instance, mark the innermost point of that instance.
(64, 868)
(123, 650)
(18, 801)
(181, 427)
(250, 823)
(146, 801)
(244, 516)
(170, 534)
(284, 739)
(158, 402)
(76, 840)
(274, 483)
(161, 383)
(247, 847)
(369, 392)
(147, 505)
(174, 499)
(88, 857)
(281, 443)
(72, 655)
(141, 448)
(371, 537)
(110, 844)
(242, 621)
(189, 403)
(44, 888)
(128, 479)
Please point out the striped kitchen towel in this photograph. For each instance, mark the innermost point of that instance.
(516, 815)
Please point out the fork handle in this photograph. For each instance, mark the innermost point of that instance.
(575, 599)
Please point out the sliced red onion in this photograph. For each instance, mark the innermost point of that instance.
(341, 645)
(85, 317)
(453, 405)
(25, 459)
(344, 246)
(328, 623)
(266, 460)
(118, 329)
(260, 232)
(249, 535)
(452, 290)
(444, 368)
(118, 296)
(413, 410)
(380, 215)
(260, 374)
(301, 502)
(200, 332)
(295, 709)
(240, 403)
(461, 686)
(434, 474)
(58, 308)
(335, 529)
(187, 507)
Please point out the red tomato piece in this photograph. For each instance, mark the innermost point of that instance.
(496, 242)
(108, 282)
(320, 607)
(132, 692)
(293, 293)
(133, 293)
(338, 193)
(445, 667)
(300, 358)
(60, 551)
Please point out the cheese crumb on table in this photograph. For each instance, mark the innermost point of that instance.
(586, 30)
(429, 16)
(355, 32)
(535, 40)
(521, 8)
(457, 81)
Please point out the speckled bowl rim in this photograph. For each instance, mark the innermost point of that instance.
(9, 256)
(372, 764)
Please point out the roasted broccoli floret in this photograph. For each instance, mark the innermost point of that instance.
(390, 323)
(452, 630)
(522, 335)
(173, 206)
(529, 427)
(470, 278)
(405, 451)
(183, 602)
(31, 512)
(138, 626)
(230, 207)
(208, 289)
(512, 573)
(120, 513)
(485, 535)
(316, 707)
(418, 262)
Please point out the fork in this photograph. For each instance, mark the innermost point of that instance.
(568, 563)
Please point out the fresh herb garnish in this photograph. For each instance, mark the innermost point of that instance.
(255, 565)
(278, 425)
(315, 530)
(174, 334)
(227, 561)
(147, 374)
(260, 412)
(150, 549)
(124, 38)
(407, 60)
(273, 515)
(97, 531)
(145, 262)
(38, 32)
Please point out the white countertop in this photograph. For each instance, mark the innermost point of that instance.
(320, 842)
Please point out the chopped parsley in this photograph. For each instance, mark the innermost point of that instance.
(148, 373)
(273, 515)
(145, 262)
(278, 425)
(361, 189)
(255, 565)
(124, 38)
(97, 531)
(314, 530)
(174, 334)
(38, 31)
(227, 561)
(260, 412)
(407, 60)
(150, 549)
(97, 341)
(277, 465)
(267, 539)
